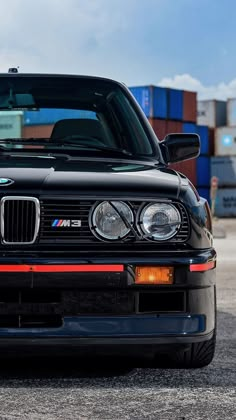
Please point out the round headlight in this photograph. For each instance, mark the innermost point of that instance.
(160, 221)
(109, 220)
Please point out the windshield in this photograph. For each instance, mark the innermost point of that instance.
(79, 115)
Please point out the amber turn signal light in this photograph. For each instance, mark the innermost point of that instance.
(154, 275)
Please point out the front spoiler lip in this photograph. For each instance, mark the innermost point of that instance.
(122, 326)
(101, 341)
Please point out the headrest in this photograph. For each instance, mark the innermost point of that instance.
(70, 127)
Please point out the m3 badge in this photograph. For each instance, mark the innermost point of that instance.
(66, 223)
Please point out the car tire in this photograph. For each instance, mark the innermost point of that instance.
(197, 355)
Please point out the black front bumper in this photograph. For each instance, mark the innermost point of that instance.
(103, 307)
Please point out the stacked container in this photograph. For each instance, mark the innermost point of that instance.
(202, 182)
(41, 122)
(10, 124)
(223, 165)
(189, 112)
(152, 99)
(175, 111)
(224, 168)
(211, 113)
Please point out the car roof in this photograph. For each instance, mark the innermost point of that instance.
(58, 75)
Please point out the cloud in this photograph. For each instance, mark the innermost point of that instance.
(221, 91)
(113, 38)
(73, 36)
(97, 37)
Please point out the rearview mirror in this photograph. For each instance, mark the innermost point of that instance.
(179, 147)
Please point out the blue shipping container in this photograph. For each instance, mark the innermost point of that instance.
(152, 99)
(202, 131)
(205, 193)
(175, 104)
(203, 171)
(50, 116)
(189, 128)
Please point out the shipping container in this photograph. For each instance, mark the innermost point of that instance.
(188, 168)
(203, 171)
(37, 131)
(225, 205)
(197, 170)
(175, 104)
(224, 168)
(231, 112)
(152, 99)
(10, 124)
(164, 127)
(159, 127)
(47, 116)
(211, 113)
(203, 132)
(225, 141)
(211, 133)
(204, 192)
(189, 106)
(174, 127)
(189, 128)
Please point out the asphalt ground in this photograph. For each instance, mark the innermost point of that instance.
(36, 387)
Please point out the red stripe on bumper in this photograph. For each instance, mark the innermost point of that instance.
(203, 267)
(23, 268)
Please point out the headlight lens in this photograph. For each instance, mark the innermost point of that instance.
(107, 219)
(160, 221)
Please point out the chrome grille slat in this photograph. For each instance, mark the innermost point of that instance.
(20, 218)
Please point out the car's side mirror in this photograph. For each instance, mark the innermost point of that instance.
(178, 147)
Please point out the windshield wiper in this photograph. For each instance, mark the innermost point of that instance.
(67, 142)
(90, 146)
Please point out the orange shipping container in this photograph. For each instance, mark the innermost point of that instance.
(188, 168)
(174, 127)
(190, 107)
(164, 127)
(37, 131)
(159, 126)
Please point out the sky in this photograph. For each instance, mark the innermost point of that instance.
(186, 44)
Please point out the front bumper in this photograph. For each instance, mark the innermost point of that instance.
(194, 321)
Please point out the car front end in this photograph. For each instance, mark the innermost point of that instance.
(102, 250)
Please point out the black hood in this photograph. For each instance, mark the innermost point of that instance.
(96, 177)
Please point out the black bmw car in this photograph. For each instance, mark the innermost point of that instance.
(102, 244)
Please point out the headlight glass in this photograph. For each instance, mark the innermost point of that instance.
(108, 219)
(160, 221)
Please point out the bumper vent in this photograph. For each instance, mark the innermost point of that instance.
(46, 308)
(20, 218)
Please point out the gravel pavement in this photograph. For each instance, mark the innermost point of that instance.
(50, 389)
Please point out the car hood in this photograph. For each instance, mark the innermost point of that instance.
(93, 177)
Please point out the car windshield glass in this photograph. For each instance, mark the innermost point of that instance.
(78, 114)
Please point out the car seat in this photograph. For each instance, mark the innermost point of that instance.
(82, 127)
